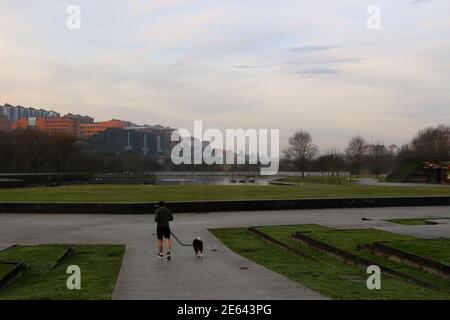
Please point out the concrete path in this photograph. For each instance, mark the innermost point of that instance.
(220, 274)
(217, 276)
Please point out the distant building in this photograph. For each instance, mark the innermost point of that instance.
(70, 125)
(80, 118)
(155, 139)
(88, 130)
(14, 113)
(437, 172)
(393, 148)
(164, 132)
(114, 140)
(59, 125)
(50, 125)
(20, 124)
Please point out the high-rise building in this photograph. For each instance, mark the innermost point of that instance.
(127, 141)
(14, 113)
(164, 134)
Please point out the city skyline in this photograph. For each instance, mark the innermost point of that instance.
(258, 64)
(21, 117)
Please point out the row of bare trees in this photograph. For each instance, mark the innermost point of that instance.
(432, 142)
(32, 150)
(303, 152)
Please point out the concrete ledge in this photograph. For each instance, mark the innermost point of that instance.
(65, 256)
(220, 206)
(384, 250)
(265, 237)
(15, 273)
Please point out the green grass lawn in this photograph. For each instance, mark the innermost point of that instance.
(143, 193)
(100, 265)
(349, 240)
(344, 180)
(40, 259)
(5, 269)
(414, 222)
(326, 275)
(437, 250)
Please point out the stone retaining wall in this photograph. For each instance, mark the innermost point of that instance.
(400, 256)
(221, 206)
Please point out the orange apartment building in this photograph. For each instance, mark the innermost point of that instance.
(87, 130)
(59, 125)
(67, 125)
(24, 123)
(50, 125)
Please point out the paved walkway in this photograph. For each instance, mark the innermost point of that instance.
(220, 274)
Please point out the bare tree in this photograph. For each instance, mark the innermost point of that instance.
(301, 150)
(356, 150)
(337, 164)
(432, 142)
(378, 157)
(332, 162)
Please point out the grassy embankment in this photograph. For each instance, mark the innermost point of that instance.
(144, 193)
(325, 274)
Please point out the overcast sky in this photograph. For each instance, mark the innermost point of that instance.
(287, 64)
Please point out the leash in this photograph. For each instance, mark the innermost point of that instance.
(178, 240)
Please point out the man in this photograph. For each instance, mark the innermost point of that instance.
(162, 218)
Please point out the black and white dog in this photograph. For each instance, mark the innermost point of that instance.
(198, 247)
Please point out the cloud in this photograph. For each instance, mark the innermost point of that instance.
(248, 66)
(419, 1)
(318, 71)
(312, 48)
(144, 7)
(291, 65)
(343, 60)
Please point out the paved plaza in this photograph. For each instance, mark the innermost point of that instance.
(222, 274)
